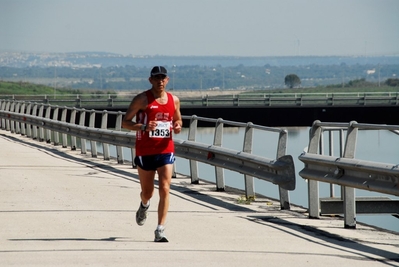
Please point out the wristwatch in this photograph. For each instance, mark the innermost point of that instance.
(143, 127)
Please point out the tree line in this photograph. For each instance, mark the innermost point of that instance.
(204, 77)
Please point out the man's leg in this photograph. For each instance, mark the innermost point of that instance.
(164, 180)
(147, 191)
(147, 184)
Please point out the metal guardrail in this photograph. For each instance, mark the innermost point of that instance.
(227, 160)
(305, 99)
(47, 123)
(41, 122)
(347, 171)
(242, 99)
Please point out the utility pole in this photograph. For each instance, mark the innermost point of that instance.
(55, 80)
(343, 78)
(173, 77)
(223, 79)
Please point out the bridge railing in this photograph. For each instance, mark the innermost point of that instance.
(65, 125)
(221, 160)
(48, 123)
(204, 99)
(303, 99)
(347, 171)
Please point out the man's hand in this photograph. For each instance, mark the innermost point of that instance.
(176, 127)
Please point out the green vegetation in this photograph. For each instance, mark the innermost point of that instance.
(354, 86)
(392, 82)
(245, 200)
(24, 88)
(313, 95)
(197, 77)
(292, 80)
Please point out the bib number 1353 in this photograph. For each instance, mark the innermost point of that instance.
(162, 130)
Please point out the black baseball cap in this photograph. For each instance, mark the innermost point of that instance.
(158, 70)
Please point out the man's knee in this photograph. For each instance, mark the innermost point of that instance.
(147, 194)
(164, 189)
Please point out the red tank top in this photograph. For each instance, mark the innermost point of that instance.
(160, 140)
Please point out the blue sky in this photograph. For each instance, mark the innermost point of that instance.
(202, 28)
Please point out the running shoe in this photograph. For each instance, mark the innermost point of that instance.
(141, 214)
(160, 236)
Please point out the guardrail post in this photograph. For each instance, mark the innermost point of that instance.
(360, 100)
(34, 128)
(73, 121)
(48, 132)
(236, 101)
(23, 125)
(329, 100)
(349, 192)
(3, 121)
(18, 124)
(118, 127)
(63, 135)
(247, 147)
(267, 100)
(298, 100)
(82, 119)
(110, 101)
(12, 123)
(78, 101)
(55, 134)
(341, 152)
(331, 153)
(205, 101)
(8, 122)
(28, 126)
(93, 144)
(41, 129)
(192, 132)
(313, 186)
(104, 122)
(282, 151)
(217, 141)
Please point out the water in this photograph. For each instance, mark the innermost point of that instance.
(379, 146)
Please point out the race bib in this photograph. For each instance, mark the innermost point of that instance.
(162, 130)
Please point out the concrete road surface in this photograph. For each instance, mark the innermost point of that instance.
(61, 208)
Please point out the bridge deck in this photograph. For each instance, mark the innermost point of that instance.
(61, 208)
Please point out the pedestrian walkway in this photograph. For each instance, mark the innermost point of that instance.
(61, 208)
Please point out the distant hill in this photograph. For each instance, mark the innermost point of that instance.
(103, 59)
(108, 71)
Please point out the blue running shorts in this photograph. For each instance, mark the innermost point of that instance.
(152, 162)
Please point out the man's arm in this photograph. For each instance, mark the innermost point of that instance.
(177, 120)
(138, 103)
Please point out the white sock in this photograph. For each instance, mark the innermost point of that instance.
(160, 227)
(145, 205)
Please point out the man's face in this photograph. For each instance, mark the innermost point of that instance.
(159, 81)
